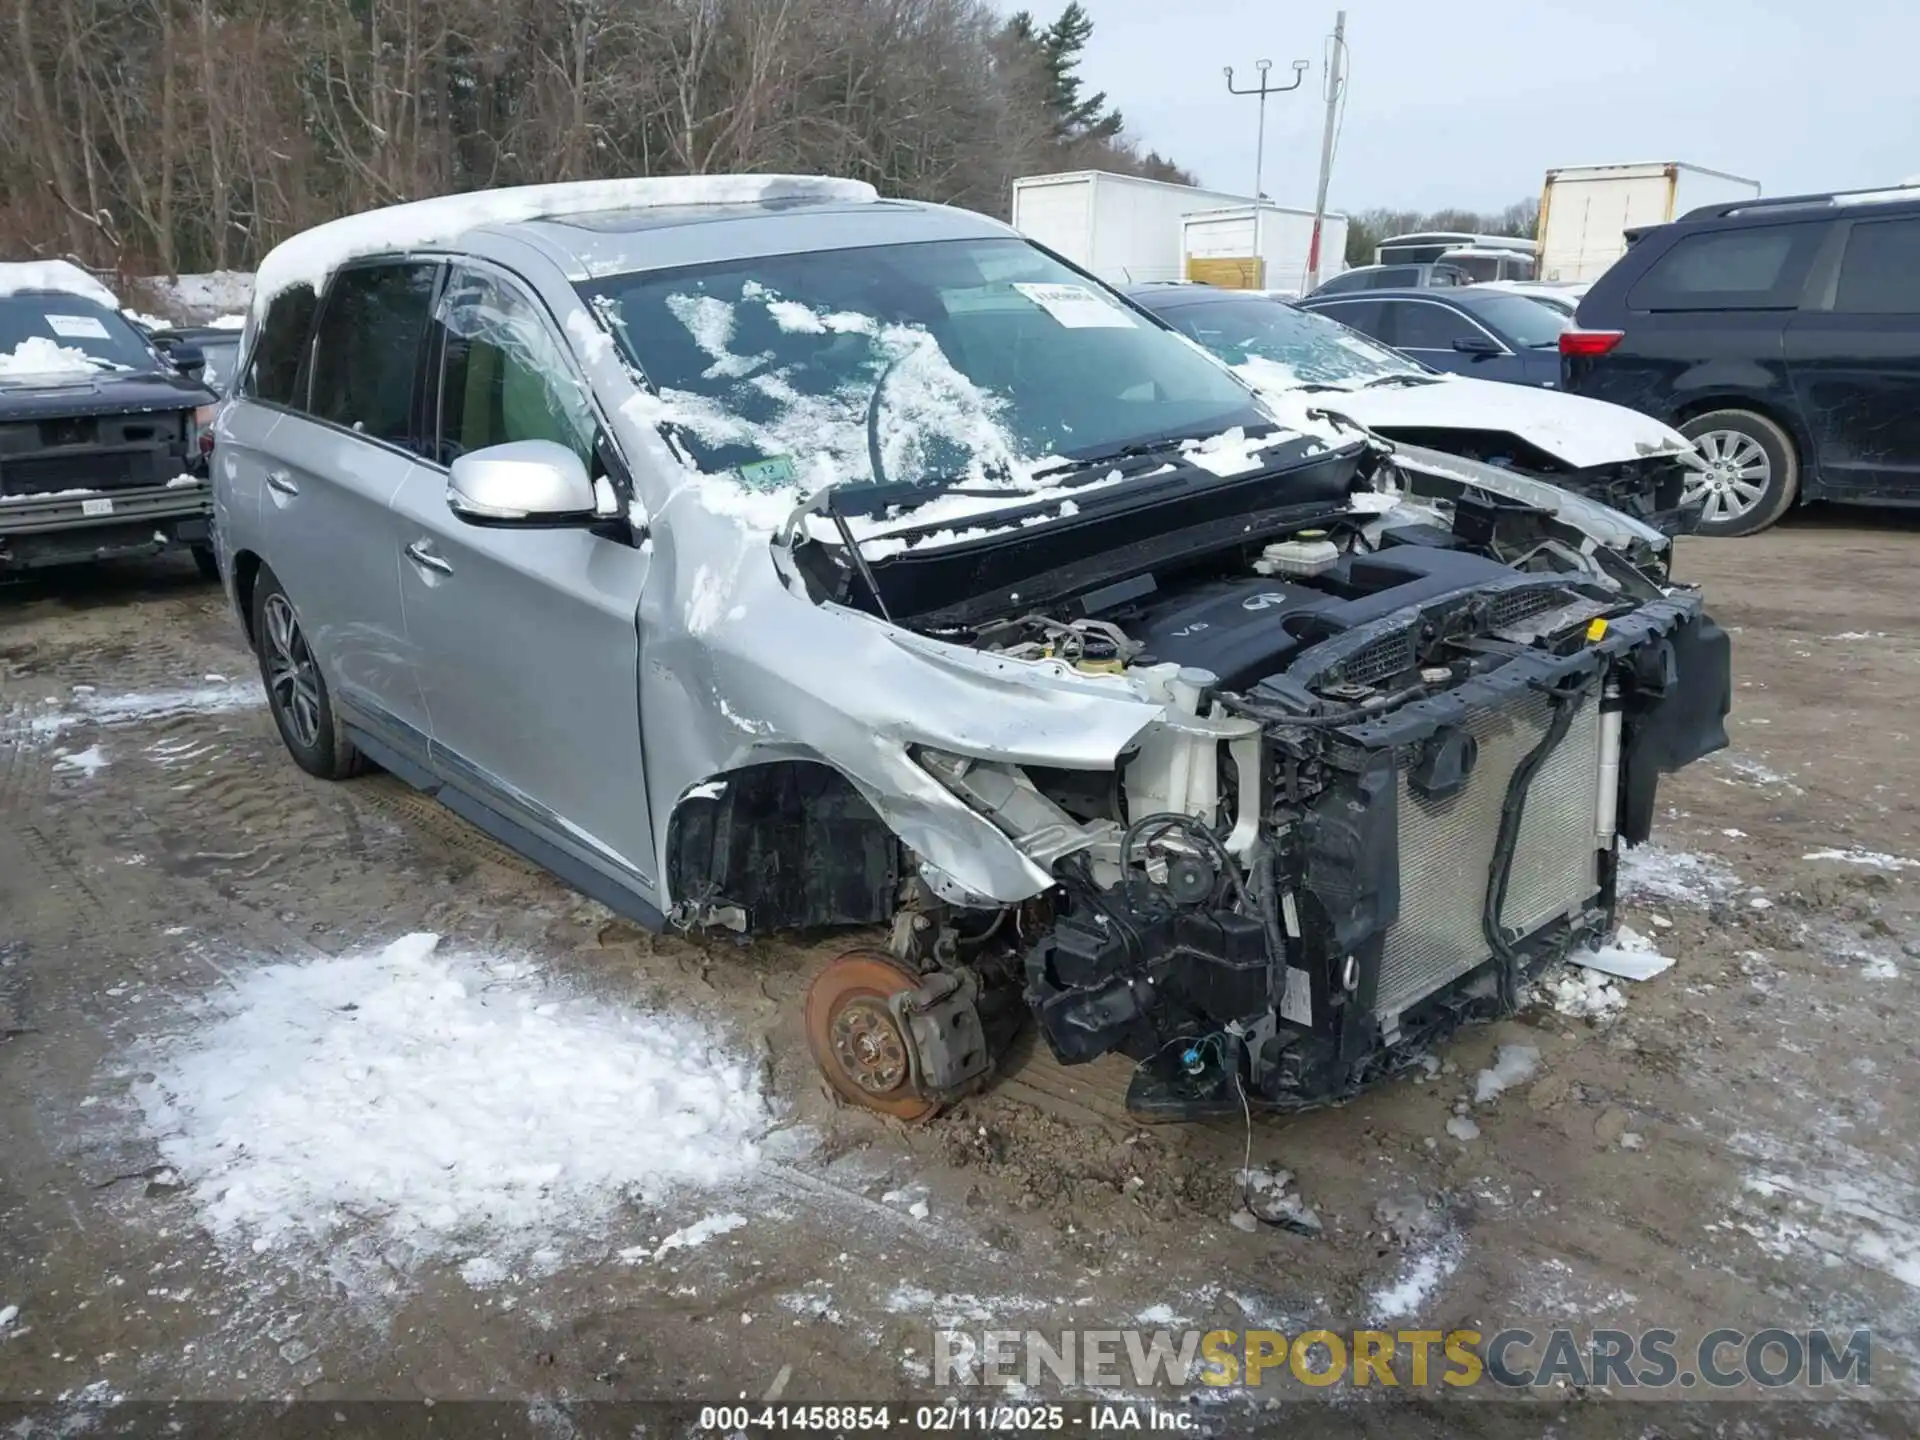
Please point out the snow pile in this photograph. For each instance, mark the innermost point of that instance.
(1512, 1065)
(37, 355)
(1583, 994)
(58, 275)
(196, 298)
(1231, 452)
(448, 1100)
(1631, 956)
(227, 322)
(309, 257)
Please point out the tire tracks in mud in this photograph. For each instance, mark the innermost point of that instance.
(202, 826)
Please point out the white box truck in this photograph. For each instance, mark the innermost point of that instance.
(1586, 210)
(1224, 247)
(1124, 229)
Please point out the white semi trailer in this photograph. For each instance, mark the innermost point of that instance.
(1586, 210)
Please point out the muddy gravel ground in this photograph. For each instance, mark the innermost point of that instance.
(1734, 1146)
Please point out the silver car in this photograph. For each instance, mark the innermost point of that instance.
(755, 552)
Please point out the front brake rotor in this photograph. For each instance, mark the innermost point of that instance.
(855, 1037)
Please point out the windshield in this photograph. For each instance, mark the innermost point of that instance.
(1527, 322)
(56, 334)
(980, 360)
(1278, 347)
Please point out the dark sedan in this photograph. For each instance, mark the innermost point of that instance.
(1487, 334)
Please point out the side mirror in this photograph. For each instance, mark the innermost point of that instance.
(529, 483)
(186, 357)
(1479, 346)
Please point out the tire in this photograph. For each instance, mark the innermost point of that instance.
(296, 690)
(1756, 471)
(208, 562)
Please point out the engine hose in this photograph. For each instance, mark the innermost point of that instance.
(1566, 702)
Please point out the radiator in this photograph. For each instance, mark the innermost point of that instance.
(1446, 850)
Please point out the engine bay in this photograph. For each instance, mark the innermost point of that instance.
(1402, 738)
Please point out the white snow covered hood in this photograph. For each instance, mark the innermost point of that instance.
(1575, 430)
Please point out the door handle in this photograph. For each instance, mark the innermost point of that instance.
(426, 559)
(281, 481)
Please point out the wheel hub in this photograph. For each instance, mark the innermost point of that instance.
(868, 1044)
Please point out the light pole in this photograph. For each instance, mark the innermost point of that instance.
(1260, 143)
(1336, 97)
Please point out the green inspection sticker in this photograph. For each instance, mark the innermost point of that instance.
(778, 470)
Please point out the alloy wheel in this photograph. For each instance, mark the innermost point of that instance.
(1737, 475)
(293, 680)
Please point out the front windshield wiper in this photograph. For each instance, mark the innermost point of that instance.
(1144, 450)
(1399, 379)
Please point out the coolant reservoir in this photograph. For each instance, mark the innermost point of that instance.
(1308, 553)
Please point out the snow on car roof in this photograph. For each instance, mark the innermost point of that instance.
(309, 257)
(60, 275)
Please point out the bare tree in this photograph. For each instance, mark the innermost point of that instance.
(190, 134)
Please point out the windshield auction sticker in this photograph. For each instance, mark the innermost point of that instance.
(77, 327)
(1076, 307)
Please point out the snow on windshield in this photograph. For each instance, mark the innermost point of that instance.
(977, 367)
(37, 356)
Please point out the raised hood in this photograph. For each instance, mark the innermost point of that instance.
(1575, 430)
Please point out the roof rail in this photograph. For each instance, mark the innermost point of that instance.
(1823, 199)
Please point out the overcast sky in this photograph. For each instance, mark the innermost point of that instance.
(1462, 102)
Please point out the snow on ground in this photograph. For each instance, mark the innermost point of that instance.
(1653, 872)
(217, 695)
(454, 1104)
(1822, 1195)
(1421, 1279)
(1512, 1065)
(1871, 859)
(88, 762)
(1583, 994)
(198, 298)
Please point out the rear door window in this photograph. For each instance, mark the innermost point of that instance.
(1762, 267)
(1419, 325)
(1880, 274)
(1362, 315)
(276, 373)
(366, 356)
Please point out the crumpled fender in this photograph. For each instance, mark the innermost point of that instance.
(738, 670)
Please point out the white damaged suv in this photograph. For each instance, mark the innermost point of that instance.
(760, 553)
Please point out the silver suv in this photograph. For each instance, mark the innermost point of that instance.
(756, 552)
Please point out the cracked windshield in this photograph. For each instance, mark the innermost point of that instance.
(939, 363)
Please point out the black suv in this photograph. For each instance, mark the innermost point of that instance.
(102, 436)
(1783, 335)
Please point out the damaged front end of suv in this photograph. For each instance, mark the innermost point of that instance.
(1402, 740)
(1264, 755)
